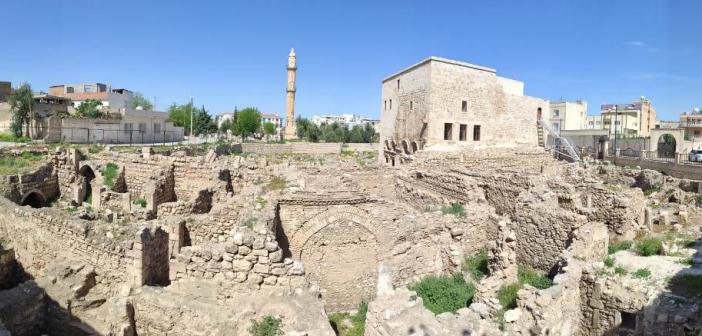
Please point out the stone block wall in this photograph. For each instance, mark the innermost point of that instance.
(8, 268)
(41, 235)
(160, 190)
(153, 243)
(43, 180)
(250, 259)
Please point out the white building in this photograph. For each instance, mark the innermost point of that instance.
(346, 120)
(112, 99)
(565, 115)
(272, 118)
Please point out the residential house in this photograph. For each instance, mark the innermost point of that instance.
(635, 119)
(565, 115)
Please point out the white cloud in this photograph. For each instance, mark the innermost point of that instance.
(636, 44)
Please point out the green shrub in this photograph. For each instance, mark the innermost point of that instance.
(641, 273)
(699, 198)
(357, 321)
(444, 293)
(620, 246)
(140, 202)
(455, 209)
(649, 246)
(620, 270)
(268, 326)
(528, 275)
(476, 265)
(507, 295)
(109, 173)
(609, 261)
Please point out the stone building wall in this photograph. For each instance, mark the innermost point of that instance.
(43, 180)
(8, 268)
(41, 235)
(343, 239)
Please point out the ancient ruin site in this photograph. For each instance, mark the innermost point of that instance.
(395, 194)
(210, 241)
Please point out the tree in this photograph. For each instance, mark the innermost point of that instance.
(248, 122)
(202, 122)
(180, 115)
(269, 128)
(226, 125)
(139, 100)
(89, 108)
(22, 107)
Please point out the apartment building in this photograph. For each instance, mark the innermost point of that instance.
(112, 99)
(629, 120)
(565, 115)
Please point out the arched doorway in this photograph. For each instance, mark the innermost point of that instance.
(415, 148)
(342, 258)
(666, 146)
(34, 199)
(88, 175)
(405, 147)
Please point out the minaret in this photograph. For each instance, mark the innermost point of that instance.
(290, 129)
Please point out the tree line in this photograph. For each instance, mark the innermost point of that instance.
(247, 122)
(335, 132)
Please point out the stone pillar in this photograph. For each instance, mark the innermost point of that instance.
(152, 263)
(677, 158)
(290, 128)
(146, 152)
(617, 152)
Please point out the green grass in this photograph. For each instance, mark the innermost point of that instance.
(357, 321)
(507, 295)
(620, 246)
(609, 261)
(653, 189)
(17, 164)
(641, 273)
(268, 326)
(687, 285)
(277, 183)
(140, 202)
(109, 173)
(444, 293)
(476, 265)
(649, 246)
(699, 198)
(620, 270)
(455, 209)
(685, 261)
(528, 275)
(9, 137)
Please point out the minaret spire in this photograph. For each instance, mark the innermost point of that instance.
(290, 128)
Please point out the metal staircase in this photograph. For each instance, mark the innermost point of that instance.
(562, 140)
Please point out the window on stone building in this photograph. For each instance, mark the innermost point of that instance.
(411, 105)
(476, 132)
(448, 130)
(398, 83)
(462, 132)
(385, 105)
(70, 89)
(391, 104)
(464, 106)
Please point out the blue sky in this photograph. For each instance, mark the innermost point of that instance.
(233, 53)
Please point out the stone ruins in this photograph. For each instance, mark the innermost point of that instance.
(185, 244)
(224, 238)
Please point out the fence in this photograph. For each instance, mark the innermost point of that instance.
(111, 136)
(661, 156)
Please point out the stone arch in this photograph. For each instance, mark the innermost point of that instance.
(393, 145)
(677, 133)
(387, 145)
(666, 146)
(405, 147)
(340, 251)
(34, 198)
(415, 147)
(89, 175)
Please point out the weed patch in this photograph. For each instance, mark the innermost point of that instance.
(476, 265)
(109, 173)
(649, 246)
(620, 246)
(444, 293)
(345, 324)
(641, 273)
(455, 209)
(268, 326)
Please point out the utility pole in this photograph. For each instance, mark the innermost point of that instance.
(191, 119)
(616, 119)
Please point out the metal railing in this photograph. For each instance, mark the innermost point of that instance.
(96, 135)
(562, 140)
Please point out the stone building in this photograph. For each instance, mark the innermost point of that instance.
(439, 102)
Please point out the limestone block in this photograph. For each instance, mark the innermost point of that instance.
(241, 265)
